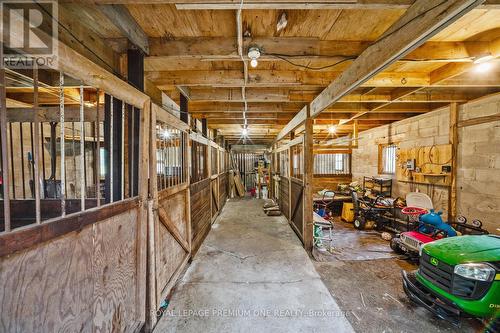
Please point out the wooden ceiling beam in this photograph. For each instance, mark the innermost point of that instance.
(295, 107)
(301, 48)
(266, 78)
(125, 22)
(301, 4)
(437, 77)
(421, 21)
(284, 95)
(268, 4)
(290, 115)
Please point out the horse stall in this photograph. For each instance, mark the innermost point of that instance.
(292, 174)
(169, 226)
(72, 223)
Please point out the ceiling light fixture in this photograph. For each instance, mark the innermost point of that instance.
(483, 67)
(483, 58)
(332, 129)
(244, 131)
(254, 54)
(165, 134)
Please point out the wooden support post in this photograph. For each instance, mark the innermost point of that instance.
(184, 109)
(290, 172)
(355, 129)
(36, 146)
(144, 137)
(62, 144)
(452, 201)
(82, 151)
(5, 153)
(204, 127)
(151, 287)
(307, 202)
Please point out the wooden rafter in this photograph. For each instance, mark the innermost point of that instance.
(420, 22)
(121, 18)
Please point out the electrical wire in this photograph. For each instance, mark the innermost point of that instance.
(284, 58)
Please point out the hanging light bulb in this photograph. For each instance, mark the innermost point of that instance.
(165, 134)
(244, 131)
(253, 54)
(332, 129)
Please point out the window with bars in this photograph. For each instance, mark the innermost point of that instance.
(387, 159)
(332, 164)
(297, 161)
(81, 151)
(199, 153)
(284, 163)
(214, 161)
(170, 147)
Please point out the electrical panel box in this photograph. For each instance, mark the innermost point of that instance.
(410, 164)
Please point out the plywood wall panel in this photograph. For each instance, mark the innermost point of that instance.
(168, 258)
(114, 274)
(81, 282)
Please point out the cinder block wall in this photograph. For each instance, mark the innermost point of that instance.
(478, 177)
(478, 171)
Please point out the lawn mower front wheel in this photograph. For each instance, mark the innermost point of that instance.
(395, 245)
(360, 223)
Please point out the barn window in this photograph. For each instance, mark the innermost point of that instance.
(332, 164)
(387, 159)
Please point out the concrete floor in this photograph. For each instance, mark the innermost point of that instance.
(252, 275)
(364, 277)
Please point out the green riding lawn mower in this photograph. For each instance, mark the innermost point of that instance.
(459, 277)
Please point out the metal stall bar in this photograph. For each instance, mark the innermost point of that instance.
(21, 139)
(12, 162)
(62, 144)
(111, 137)
(123, 152)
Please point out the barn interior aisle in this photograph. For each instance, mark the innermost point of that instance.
(251, 274)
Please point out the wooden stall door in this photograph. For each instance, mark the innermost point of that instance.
(296, 213)
(169, 235)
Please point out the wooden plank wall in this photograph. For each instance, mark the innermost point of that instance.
(223, 189)
(170, 256)
(84, 281)
(214, 197)
(284, 196)
(200, 212)
(296, 198)
(329, 182)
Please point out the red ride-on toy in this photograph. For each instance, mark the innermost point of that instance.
(410, 242)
